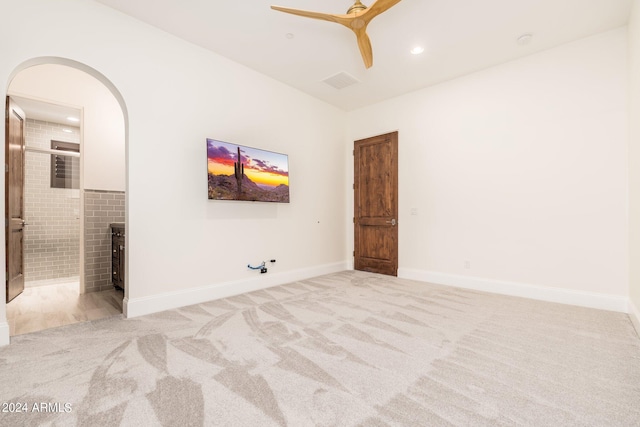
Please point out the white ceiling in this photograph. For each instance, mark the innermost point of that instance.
(47, 112)
(459, 37)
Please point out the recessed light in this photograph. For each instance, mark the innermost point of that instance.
(73, 119)
(524, 39)
(289, 36)
(417, 50)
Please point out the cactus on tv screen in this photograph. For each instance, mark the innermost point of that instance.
(237, 172)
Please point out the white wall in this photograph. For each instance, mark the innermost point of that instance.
(634, 163)
(103, 143)
(177, 95)
(519, 169)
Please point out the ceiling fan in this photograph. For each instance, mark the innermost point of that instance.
(356, 19)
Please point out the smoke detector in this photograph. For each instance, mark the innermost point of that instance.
(525, 39)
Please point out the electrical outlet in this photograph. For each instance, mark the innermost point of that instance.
(467, 264)
(414, 211)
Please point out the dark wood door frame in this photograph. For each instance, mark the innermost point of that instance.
(14, 199)
(376, 204)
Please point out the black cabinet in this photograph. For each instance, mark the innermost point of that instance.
(117, 255)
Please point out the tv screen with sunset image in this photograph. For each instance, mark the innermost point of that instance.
(237, 172)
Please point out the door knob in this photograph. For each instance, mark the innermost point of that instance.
(392, 222)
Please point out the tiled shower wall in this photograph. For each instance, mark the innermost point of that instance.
(52, 233)
(101, 208)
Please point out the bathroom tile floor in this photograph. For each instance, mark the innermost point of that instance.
(45, 307)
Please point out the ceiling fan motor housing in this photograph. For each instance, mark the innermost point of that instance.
(357, 7)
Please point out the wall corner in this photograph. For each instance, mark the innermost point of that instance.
(4, 334)
(634, 315)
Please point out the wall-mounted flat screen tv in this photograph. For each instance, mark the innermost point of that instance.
(236, 172)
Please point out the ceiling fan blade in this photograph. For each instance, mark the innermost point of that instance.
(365, 47)
(315, 15)
(356, 21)
(378, 7)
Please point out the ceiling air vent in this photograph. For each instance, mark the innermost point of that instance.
(341, 80)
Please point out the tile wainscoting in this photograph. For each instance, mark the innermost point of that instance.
(101, 208)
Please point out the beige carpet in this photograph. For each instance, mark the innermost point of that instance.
(347, 349)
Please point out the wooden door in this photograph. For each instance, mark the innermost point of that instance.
(14, 199)
(376, 204)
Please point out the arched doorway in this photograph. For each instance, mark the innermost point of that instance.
(100, 195)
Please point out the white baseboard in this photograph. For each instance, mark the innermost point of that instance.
(634, 315)
(4, 334)
(125, 307)
(559, 295)
(134, 307)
